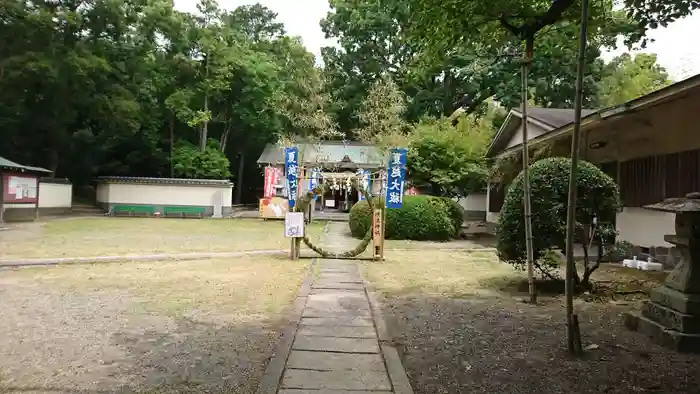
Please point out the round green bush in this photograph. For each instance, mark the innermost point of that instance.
(421, 218)
(597, 197)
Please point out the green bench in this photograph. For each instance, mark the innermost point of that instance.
(133, 210)
(184, 211)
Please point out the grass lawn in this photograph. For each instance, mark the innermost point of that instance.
(156, 327)
(460, 325)
(89, 237)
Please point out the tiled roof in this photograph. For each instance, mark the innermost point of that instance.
(11, 165)
(555, 117)
(328, 152)
(164, 181)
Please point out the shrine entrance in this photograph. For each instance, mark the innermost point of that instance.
(340, 192)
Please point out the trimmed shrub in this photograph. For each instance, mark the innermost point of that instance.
(457, 213)
(597, 197)
(421, 218)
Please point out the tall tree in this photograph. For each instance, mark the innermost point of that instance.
(626, 78)
(377, 37)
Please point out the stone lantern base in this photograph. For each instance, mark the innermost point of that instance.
(671, 319)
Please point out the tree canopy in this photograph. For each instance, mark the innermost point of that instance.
(122, 87)
(137, 88)
(626, 78)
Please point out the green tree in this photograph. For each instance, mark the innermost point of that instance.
(597, 203)
(381, 116)
(449, 161)
(626, 78)
(112, 88)
(376, 37)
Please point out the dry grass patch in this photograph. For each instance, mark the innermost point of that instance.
(157, 327)
(125, 236)
(438, 272)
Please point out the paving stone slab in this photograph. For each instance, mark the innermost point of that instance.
(298, 391)
(333, 321)
(337, 285)
(313, 312)
(329, 344)
(338, 305)
(336, 380)
(338, 331)
(333, 270)
(320, 361)
(341, 278)
(339, 292)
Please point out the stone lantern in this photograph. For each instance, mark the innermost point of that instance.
(672, 317)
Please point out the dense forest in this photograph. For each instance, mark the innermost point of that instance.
(137, 88)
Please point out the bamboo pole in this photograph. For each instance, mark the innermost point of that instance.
(573, 334)
(524, 70)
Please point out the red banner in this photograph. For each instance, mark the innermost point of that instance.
(272, 177)
(20, 188)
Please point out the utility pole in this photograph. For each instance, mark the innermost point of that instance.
(573, 334)
(524, 70)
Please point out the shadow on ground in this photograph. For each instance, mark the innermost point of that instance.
(497, 344)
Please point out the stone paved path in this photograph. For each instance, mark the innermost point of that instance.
(336, 349)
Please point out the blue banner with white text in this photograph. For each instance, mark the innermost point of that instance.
(291, 166)
(396, 177)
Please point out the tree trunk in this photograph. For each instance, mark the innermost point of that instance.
(572, 333)
(205, 130)
(172, 145)
(53, 160)
(224, 137)
(205, 127)
(239, 179)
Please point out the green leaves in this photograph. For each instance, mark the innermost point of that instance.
(626, 78)
(191, 163)
(449, 161)
(597, 196)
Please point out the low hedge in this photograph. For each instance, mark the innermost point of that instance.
(422, 218)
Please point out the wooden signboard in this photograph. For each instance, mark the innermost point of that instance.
(273, 207)
(378, 234)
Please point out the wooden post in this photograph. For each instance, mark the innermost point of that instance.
(385, 181)
(378, 234)
(572, 328)
(38, 190)
(524, 70)
(2, 196)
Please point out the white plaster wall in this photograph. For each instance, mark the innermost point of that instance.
(195, 195)
(644, 227)
(55, 195)
(102, 192)
(474, 202)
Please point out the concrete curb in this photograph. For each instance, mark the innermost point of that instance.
(394, 366)
(150, 257)
(269, 384)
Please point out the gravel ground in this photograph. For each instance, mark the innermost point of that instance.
(199, 327)
(458, 335)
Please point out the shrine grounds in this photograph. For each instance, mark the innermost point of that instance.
(460, 324)
(456, 315)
